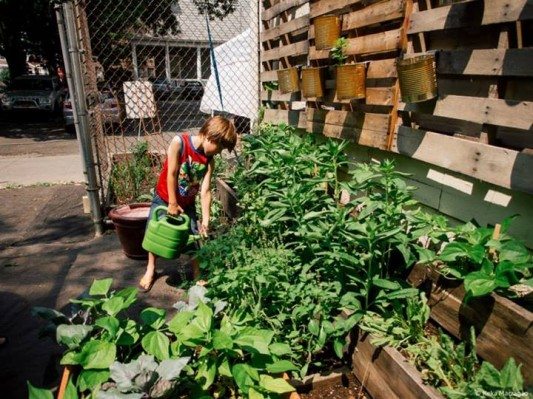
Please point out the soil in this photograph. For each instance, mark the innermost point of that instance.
(347, 387)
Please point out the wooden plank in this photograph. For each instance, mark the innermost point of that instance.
(375, 43)
(363, 128)
(277, 96)
(509, 113)
(293, 118)
(493, 62)
(228, 198)
(496, 319)
(470, 14)
(329, 6)
(373, 14)
(282, 6)
(290, 50)
(500, 166)
(285, 28)
(386, 374)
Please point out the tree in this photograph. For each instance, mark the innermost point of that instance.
(27, 26)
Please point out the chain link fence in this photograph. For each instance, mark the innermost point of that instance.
(151, 69)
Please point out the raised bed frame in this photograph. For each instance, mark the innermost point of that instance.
(504, 329)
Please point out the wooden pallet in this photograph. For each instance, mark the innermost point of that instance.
(483, 116)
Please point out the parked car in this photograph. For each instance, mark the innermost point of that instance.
(189, 89)
(34, 92)
(162, 88)
(108, 105)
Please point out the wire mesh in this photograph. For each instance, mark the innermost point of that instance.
(149, 74)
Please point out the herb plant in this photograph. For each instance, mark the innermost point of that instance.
(338, 51)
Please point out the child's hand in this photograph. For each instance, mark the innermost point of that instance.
(174, 209)
(203, 229)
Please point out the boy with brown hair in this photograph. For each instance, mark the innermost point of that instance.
(188, 170)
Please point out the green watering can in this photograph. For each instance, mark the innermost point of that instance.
(168, 236)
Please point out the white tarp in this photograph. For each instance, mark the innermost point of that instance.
(237, 65)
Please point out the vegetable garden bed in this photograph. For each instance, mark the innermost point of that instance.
(499, 322)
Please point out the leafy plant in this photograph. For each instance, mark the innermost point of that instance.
(485, 264)
(133, 176)
(338, 51)
(199, 352)
(453, 368)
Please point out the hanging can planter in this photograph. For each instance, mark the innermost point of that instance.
(288, 80)
(418, 78)
(327, 30)
(351, 81)
(312, 82)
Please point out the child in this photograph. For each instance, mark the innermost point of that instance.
(187, 170)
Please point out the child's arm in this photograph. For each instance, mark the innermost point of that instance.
(206, 198)
(172, 176)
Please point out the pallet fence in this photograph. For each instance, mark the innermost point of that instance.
(481, 123)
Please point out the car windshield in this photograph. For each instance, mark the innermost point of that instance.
(32, 84)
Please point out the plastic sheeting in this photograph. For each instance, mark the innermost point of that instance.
(237, 64)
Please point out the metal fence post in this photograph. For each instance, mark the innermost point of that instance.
(71, 54)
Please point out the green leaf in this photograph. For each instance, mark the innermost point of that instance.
(514, 251)
(224, 369)
(221, 340)
(425, 255)
(153, 317)
(314, 327)
(280, 366)
(511, 376)
(170, 369)
(479, 284)
(70, 392)
(338, 345)
(277, 385)
(244, 376)
(280, 349)
(72, 335)
(156, 343)
(113, 305)
(207, 371)
(403, 293)
(110, 324)
(179, 321)
(253, 394)
(204, 317)
(129, 295)
(100, 287)
(128, 334)
(89, 379)
(387, 284)
(98, 354)
(38, 393)
(71, 358)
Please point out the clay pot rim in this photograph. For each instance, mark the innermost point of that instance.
(114, 213)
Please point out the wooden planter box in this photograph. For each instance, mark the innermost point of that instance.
(504, 329)
(228, 197)
(386, 374)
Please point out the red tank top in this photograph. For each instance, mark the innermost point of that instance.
(192, 167)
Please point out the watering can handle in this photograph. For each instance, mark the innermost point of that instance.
(161, 208)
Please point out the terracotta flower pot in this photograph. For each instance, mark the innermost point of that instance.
(418, 79)
(312, 82)
(130, 223)
(327, 30)
(351, 81)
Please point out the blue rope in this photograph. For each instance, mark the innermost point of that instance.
(214, 61)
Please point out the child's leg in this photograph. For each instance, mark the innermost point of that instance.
(147, 279)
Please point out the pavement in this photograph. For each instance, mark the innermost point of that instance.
(49, 255)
